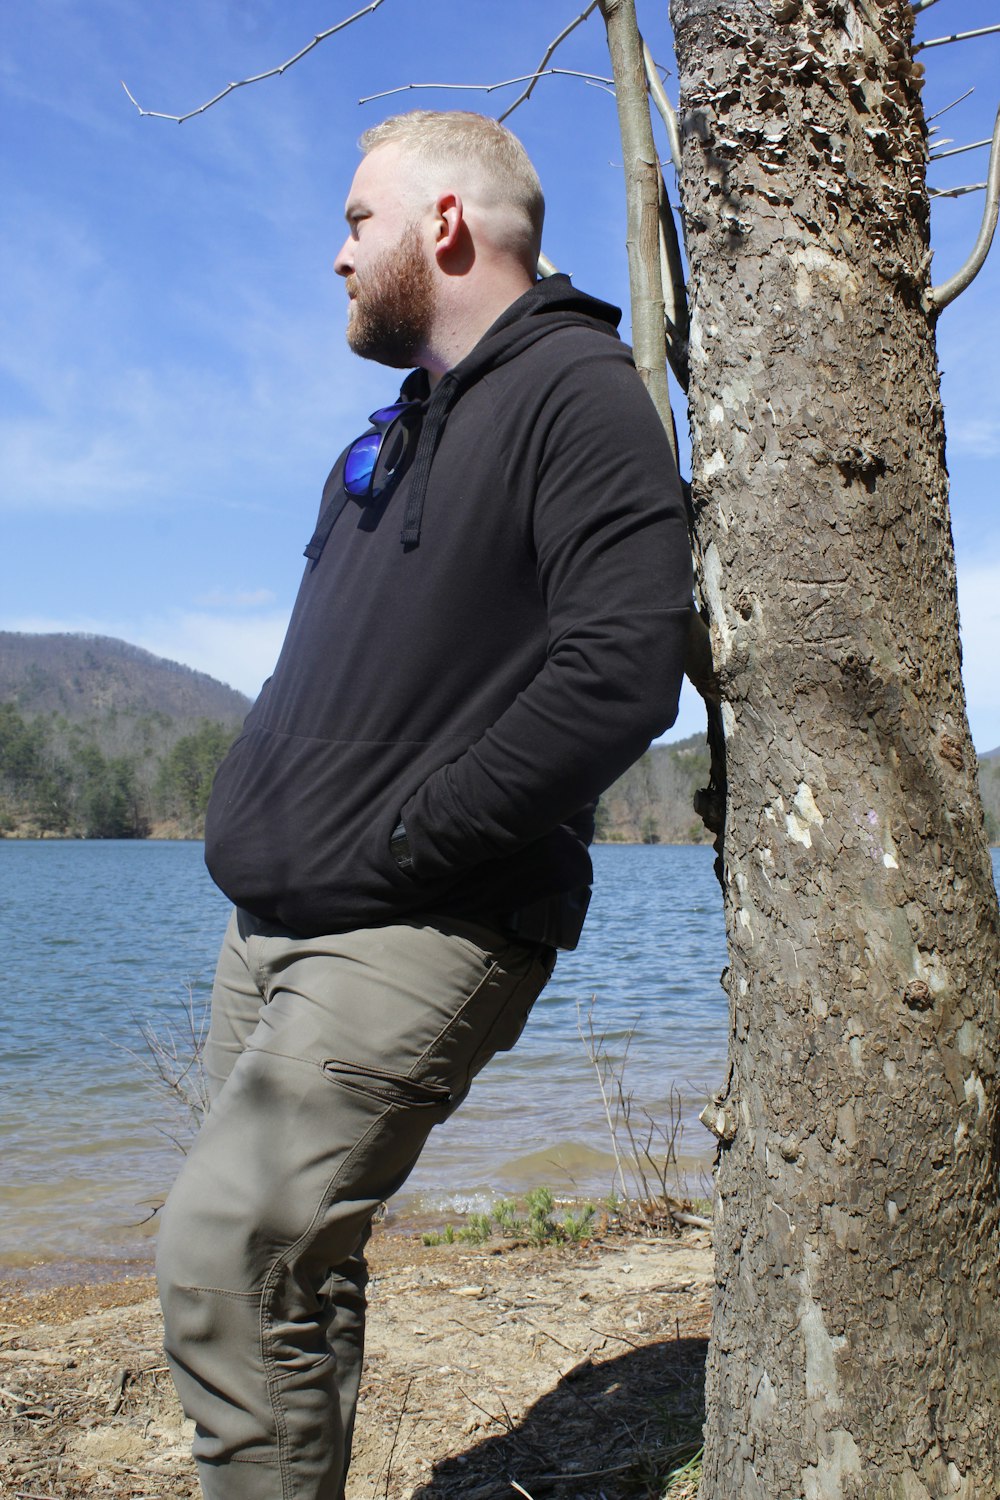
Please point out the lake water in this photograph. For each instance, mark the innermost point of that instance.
(100, 938)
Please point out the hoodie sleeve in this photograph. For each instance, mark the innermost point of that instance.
(614, 568)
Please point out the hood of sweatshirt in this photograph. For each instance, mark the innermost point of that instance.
(550, 304)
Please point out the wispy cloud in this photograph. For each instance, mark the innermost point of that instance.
(976, 435)
(236, 599)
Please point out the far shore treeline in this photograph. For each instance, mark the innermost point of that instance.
(100, 739)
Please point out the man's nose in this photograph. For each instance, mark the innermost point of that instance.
(344, 262)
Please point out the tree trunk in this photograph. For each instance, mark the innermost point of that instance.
(856, 1333)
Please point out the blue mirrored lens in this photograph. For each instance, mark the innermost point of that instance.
(360, 463)
(389, 413)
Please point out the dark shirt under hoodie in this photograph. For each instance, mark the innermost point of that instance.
(480, 652)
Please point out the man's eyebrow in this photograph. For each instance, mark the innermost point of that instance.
(355, 209)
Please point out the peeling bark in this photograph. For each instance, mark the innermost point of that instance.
(856, 1334)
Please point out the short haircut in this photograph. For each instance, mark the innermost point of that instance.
(489, 159)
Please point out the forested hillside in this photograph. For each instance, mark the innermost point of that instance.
(653, 803)
(989, 786)
(99, 739)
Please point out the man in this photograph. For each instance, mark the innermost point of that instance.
(489, 630)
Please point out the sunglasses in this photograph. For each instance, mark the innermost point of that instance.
(377, 457)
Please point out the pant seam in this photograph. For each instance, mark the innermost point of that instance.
(266, 1299)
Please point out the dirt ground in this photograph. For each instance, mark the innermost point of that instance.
(570, 1373)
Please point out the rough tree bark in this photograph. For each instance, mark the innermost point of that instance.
(856, 1333)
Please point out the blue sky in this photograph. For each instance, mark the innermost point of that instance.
(174, 382)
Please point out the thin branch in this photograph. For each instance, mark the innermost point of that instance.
(488, 88)
(659, 96)
(642, 176)
(675, 309)
(973, 146)
(321, 36)
(550, 50)
(946, 108)
(918, 5)
(957, 192)
(940, 296)
(956, 36)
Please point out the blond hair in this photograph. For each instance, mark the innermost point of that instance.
(487, 160)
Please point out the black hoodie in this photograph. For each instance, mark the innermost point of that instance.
(480, 652)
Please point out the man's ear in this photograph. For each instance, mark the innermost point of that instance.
(449, 225)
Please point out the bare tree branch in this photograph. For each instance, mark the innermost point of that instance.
(957, 192)
(918, 5)
(956, 36)
(550, 50)
(489, 88)
(675, 303)
(642, 178)
(940, 296)
(154, 114)
(946, 108)
(659, 96)
(972, 146)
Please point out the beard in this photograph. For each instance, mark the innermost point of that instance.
(392, 311)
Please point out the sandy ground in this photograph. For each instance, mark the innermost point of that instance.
(569, 1372)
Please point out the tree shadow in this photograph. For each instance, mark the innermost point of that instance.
(613, 1429)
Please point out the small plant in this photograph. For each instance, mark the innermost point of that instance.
(645, 1149)
(683, 1483)
(507, 1220)
(536, 1223)
(477, 1231)
(447, 1236)
(172, 1063)
(541, 1226)
(579, 1227)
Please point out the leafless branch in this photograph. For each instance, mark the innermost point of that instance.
(489, 88)
(940, 296)
(675, 303)
(918, 5)
(961, 98)
(957, 192)
(321, 36)
(395, 1435)
(973, 146)
(956, 36)
(172, 1062)
(549, 52)
(659, 96)
(642, 209)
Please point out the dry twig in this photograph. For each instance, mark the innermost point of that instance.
(489, 88)
(321, 36)
(549, 52)
(956, 36)
(940, 296)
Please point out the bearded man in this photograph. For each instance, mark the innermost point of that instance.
(490, 629)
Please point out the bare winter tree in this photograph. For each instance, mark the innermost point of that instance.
(856, 1330)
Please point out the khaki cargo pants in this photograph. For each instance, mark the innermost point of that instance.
(329, 1060)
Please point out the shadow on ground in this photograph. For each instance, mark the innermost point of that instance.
(614, 1429)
